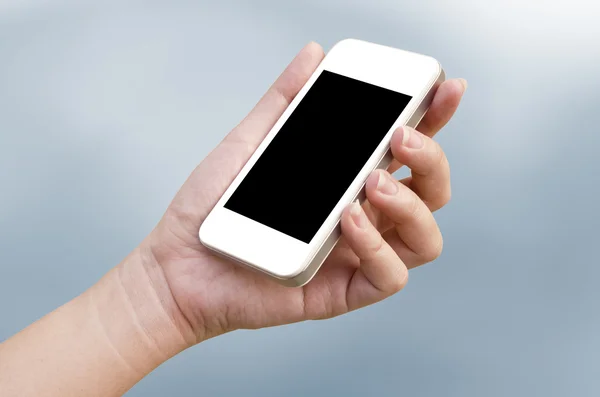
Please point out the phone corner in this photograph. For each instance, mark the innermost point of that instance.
(298, 280)
(436, 67)
(436, 71)
(203, 235)
(295, 274)
(348, 42)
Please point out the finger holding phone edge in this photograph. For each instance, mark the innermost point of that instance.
(430, 170)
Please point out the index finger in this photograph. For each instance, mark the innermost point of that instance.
(444, 105)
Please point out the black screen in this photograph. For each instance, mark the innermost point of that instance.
(317, 153)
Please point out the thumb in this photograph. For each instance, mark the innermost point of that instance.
(210, 179)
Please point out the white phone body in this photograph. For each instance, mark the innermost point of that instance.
(289, 260)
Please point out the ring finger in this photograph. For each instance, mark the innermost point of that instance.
(415, 235)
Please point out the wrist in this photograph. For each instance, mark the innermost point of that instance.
(100, 343)
(137, 313)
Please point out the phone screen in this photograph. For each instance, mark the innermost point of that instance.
(317, 153)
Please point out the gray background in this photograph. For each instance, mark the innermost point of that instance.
(106, 107)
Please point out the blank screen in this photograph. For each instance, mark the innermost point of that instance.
(317, 153)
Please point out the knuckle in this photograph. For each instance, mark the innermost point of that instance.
(397, 283)
(375, 248)
(445, 196)
(442, 197)
(408, 207)
(434, 251)
(412, 207)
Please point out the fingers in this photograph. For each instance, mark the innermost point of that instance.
(381, 272)
(415, 236)
(429, 166)
(444, 105)
(261, 119)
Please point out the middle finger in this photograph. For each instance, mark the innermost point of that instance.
(428, 164)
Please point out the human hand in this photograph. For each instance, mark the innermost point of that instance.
(171, 292)
(393, 231)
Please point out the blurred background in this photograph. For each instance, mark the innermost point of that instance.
(105, 108)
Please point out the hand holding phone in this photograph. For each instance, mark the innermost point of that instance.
(345, 113)
(392, 231)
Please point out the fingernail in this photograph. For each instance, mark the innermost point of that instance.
(387, 185)
(464, 84)
(358, 215)
(411, 138)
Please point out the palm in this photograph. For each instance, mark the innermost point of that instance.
(233, 297)
(206, 286)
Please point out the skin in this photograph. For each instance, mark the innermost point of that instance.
(171, 293)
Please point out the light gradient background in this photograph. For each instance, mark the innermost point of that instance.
(105, 108)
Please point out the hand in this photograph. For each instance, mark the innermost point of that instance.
(171, 292)
(393, 231)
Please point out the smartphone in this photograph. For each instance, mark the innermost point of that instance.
(281, 214)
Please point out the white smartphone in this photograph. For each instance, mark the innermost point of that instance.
(281, 214)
